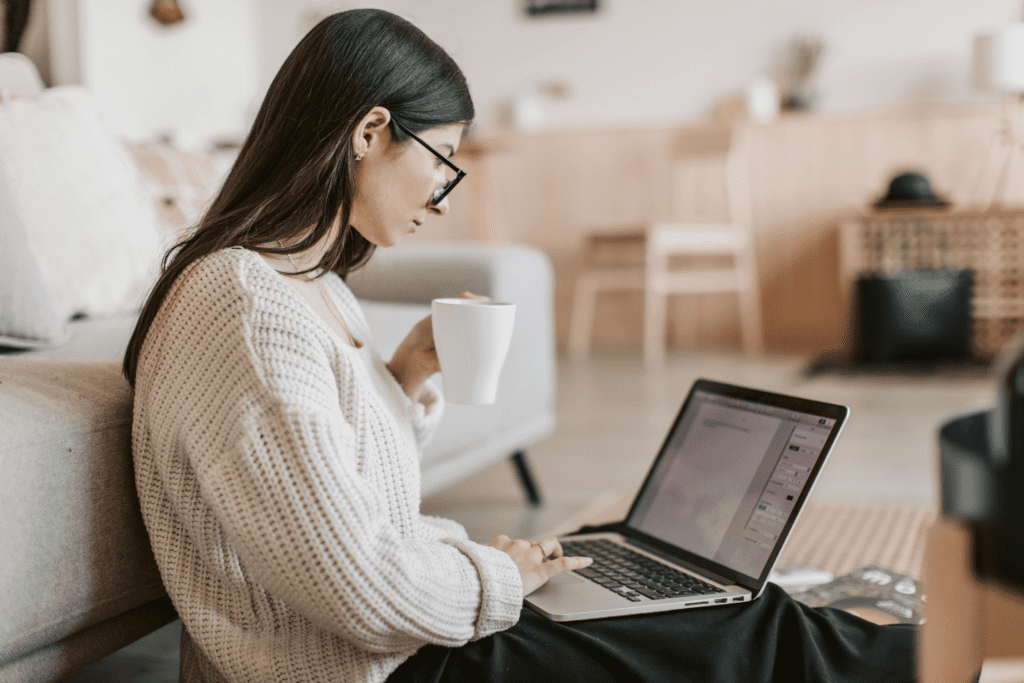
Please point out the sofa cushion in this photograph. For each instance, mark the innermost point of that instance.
(27, 317)
(102, 338)
(74, 194)
(77, 552)
(180, 183)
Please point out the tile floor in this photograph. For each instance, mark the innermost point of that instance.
(613, 415)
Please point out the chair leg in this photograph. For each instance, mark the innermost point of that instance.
(750, 321)
(655, 300)
(751, 328)
(581, 322)
(690, 311)
(655, 303)
(526, 478)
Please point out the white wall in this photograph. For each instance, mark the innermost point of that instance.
(196, 80)
(665, 60)
(635, 61)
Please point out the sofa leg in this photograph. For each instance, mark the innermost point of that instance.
(526, 478)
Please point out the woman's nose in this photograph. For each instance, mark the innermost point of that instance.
(441, 208)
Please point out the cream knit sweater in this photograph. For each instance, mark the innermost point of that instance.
(280, 487)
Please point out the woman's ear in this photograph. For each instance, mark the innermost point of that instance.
(372, 133)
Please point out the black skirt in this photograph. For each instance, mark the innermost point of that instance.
(773, 638)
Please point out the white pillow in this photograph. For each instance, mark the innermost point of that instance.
(76, 197)
(27, 320)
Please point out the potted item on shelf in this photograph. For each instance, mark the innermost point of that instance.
(911, 190)
(804, 58)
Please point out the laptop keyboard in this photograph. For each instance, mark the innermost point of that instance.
(632, 575)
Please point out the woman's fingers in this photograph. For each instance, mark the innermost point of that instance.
(554, 560)
(499, 541)
(566, 564)
(475, 297)
(532, 559)
(424, 330)
(550, 547)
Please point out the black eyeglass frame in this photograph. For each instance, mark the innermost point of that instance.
(440, 193)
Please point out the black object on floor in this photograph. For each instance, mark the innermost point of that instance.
(914, 315)
(846, 364)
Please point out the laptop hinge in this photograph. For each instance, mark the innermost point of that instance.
(682, 563)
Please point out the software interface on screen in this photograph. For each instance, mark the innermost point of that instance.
(734, 469)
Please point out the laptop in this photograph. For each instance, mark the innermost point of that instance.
(713, 514)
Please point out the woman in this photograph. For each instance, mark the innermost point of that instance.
(277, 454)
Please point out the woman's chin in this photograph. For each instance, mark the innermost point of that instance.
(382, 238)
(398, 235)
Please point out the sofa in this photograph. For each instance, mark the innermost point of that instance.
(77, 577)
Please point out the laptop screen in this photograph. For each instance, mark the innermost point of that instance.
(731, 474)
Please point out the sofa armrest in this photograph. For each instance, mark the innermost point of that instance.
(81, 556)
(419, 272)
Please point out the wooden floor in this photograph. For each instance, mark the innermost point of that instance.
(613, 415)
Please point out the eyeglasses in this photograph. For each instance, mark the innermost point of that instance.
(441, 192)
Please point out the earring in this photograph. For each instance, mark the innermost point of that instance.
(359, 157)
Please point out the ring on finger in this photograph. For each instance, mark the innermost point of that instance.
(542, 548)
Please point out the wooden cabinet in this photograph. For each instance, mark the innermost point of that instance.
(807, 172)
(989, 243)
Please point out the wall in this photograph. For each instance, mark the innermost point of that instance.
(638, 68)
(635, 62)
(652, 61)
(196, 80)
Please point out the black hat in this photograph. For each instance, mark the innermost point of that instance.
(910, 190)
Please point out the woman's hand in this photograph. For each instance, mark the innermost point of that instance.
(415, 358)
(538, 561)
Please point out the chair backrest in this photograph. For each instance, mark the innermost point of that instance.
(710, 174)
(18, 77)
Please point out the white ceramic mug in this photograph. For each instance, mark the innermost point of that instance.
(472, 339)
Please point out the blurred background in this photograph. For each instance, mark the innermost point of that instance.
(578, 103)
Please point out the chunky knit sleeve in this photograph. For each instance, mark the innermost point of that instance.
(316, 536)
(258, 400)
(445, 528)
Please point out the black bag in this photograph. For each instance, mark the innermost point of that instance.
(914, 315)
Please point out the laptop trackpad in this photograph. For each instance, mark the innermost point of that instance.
(571, 594)
(566, 579)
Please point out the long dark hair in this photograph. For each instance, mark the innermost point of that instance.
(296, 168)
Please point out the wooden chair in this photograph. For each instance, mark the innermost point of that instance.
(659, 242)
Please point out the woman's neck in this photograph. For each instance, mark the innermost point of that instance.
(301, 260)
